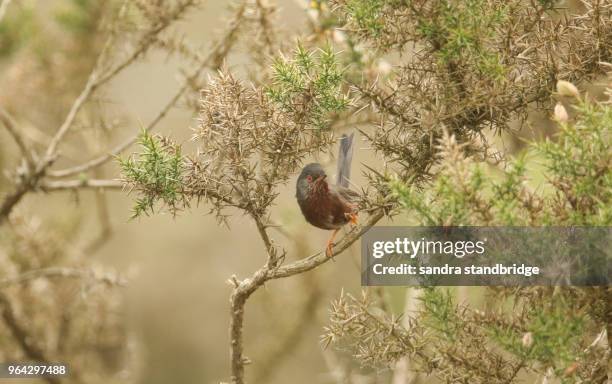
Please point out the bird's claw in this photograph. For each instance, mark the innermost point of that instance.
(352, 218)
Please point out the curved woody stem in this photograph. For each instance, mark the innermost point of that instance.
(270, 271)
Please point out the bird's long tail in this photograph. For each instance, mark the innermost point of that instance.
(345, 157)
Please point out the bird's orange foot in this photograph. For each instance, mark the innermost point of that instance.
(352, 218)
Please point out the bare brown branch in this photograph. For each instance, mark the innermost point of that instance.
(59, 185)
(11, 126)
(63, 273)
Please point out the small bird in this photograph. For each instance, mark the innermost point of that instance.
(325, 205)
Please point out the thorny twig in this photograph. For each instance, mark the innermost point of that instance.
(213, 61)
(33, 178)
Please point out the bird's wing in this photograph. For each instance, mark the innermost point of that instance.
(345, 157)
(347, 194)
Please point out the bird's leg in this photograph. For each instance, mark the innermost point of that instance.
(330, 243)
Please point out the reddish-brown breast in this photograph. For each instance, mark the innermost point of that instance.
(325, 208)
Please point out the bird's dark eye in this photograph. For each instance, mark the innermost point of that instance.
(309, 178)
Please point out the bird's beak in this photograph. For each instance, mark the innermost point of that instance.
(320, 179)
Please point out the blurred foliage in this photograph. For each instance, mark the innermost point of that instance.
(367, 14)
(23, 25)
(56, 302)
(80, 16)
(17, 30)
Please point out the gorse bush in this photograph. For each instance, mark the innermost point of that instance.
(157, 172)
(578, 165)
(551, 335)
(248, 140)
(552, 331)
(467, 66)
(577, 171)
(309, 75)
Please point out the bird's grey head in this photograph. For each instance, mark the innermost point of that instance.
(312, 175)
